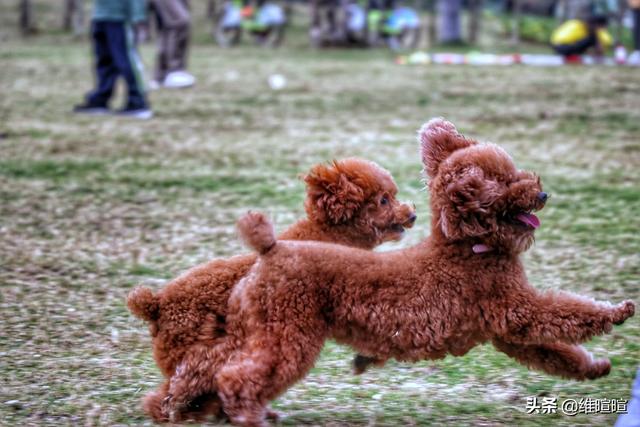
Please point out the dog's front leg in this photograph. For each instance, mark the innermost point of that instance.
(550, 317)
(564, 360)
(361, 363)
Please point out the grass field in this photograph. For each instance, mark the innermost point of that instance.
(91, 207)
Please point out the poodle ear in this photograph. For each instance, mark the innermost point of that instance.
(332, 197)
(469, 196)
(438, 139)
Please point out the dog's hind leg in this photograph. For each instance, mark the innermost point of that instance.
(263, 369)
(152, 403)
(551, 317)
(192, 389)
(564, 360)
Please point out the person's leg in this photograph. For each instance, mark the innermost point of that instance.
(162, 65)
(183, 41)
(106, 70)
(128, 62)
(176, 17)
(314, 9)
(161, 52)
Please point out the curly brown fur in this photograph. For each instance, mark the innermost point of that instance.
(351, 202)
(462, 286)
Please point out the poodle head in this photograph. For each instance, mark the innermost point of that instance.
(477, 193)
(357, 195)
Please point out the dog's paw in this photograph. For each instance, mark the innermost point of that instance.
(152, 406)
(623, 311)
(243, 421)
(272, 415)
(172, 409)
(167, 406)
(360, 363)
(599, 368)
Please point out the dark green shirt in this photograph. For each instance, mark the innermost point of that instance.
(119, 10)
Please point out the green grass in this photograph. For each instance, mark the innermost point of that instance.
(89, 207)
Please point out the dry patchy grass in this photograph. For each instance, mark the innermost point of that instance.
(91, 207)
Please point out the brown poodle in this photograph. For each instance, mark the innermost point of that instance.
(462, 286)
(351, 202)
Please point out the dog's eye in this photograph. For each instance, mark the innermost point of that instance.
(384, 201)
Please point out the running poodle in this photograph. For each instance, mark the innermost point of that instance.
(351, 202)
(462, 286)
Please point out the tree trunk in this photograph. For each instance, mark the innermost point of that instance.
(73, 18)
(620, 12)
(432, 23)
(565, 9)
(211, 9)
(515, 26)
(79, 22)
(449, 17)
(69, 6)
(475, 20)
(26, 17)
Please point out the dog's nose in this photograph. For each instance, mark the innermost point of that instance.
(412, 218)
(542, 196)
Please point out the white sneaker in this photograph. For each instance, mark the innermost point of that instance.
(178, 80)
(142, 113)
(153, 85)
(634, 59)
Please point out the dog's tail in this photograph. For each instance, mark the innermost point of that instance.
(257, 232)
(144, 304)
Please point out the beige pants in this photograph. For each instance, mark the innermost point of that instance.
(173, 36)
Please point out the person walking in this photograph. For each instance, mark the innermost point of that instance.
(174, 27)
(112, 32)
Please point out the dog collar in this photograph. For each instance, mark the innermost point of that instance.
(480, 248)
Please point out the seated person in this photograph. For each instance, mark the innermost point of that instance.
(576, 37)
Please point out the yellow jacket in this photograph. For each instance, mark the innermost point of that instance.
(575, 30)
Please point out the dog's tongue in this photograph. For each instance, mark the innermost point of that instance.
(529, 219)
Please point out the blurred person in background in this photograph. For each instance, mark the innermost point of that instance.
(113, 36)
(632, 417)
(577, 36)
(324, 9)
(174, 31)
(634, 58)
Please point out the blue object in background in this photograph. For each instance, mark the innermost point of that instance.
(403, 18)
(632, 417)
(271, 15)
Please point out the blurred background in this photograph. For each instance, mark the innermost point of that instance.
(94, 205)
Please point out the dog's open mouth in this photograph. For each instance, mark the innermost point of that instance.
(529, 219)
